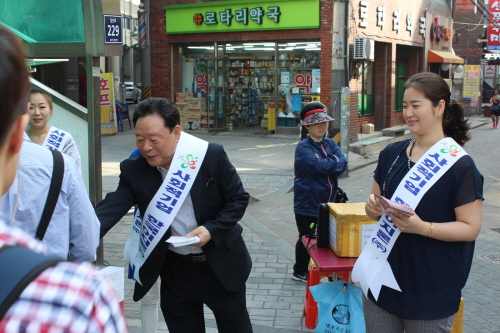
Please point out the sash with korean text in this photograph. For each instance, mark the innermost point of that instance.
(164, 206)
(56, 139)
(372, 269)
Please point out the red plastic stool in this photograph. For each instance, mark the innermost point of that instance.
(310, 306)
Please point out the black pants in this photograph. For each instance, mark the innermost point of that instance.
(186, 286)
(301, 255)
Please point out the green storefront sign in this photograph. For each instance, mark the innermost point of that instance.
(246, 15)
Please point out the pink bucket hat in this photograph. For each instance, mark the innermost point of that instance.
(316, 116)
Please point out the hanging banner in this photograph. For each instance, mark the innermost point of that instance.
(465, 7)
(316, 81)
(108, 121)
(494, 26)
(472, 83)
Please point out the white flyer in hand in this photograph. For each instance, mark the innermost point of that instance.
(182, 240)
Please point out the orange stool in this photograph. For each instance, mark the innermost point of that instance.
(310, 306)
(458, 323)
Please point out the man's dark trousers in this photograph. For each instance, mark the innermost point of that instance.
(195, 285)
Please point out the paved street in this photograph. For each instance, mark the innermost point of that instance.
(265, 165)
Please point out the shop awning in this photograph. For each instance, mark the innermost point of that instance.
(37, 62)
(442, 56)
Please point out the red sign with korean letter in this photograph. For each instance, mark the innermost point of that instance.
(494, 28)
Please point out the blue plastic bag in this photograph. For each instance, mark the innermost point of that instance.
(340, 308)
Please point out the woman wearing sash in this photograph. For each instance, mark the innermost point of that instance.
(432, 256)
(41, 133)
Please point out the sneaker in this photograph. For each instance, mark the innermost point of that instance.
(299, 277)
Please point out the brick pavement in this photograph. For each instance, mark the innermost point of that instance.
(274, 300)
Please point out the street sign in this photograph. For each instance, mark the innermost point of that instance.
(113, 29)
(489, 70)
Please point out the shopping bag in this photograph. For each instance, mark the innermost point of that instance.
(115, 275)
(340, 308)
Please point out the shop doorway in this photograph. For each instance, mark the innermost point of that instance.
(252, 87)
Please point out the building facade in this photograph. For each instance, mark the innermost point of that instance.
(253, 61)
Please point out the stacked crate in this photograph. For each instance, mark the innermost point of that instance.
(183, 112)
(182, 97)
(207, 120)
(196, 107)
(181, 103)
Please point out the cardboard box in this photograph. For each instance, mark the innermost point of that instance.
(183, 118)
(206, 126)
(367, 128)
(182, 107)
(194, 113)
(205, 121)
(182, 97)
(197, 103)
(191, 125)
(350, 227)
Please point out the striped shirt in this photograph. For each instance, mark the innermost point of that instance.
(68, 297)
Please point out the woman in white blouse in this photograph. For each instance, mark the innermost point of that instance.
(41, 133)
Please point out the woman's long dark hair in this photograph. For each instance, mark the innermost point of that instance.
(14, 81)
(435, 88)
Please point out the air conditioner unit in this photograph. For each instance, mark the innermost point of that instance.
(364, 48)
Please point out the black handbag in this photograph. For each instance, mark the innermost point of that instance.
(340, 196)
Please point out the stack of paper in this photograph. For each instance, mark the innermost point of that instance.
(182, 240)
(393, 206)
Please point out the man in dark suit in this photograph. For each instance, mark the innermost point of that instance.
(212, 271)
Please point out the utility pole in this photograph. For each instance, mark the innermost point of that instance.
(339, 94)
(144, 47)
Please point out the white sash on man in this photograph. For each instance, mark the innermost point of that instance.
(55, 139)
(372, 269)
(164, 206)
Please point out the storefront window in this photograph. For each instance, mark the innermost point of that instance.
(299, 80)
(365, 89)
(402, 65)
(246, 88)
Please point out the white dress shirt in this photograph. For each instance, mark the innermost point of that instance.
(183, 223)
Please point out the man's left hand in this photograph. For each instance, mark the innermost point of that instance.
(202, 233)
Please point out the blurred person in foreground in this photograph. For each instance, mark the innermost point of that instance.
(73, 229)
(183, 186)
(67, 297)
(430, 252)
(318, 162)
